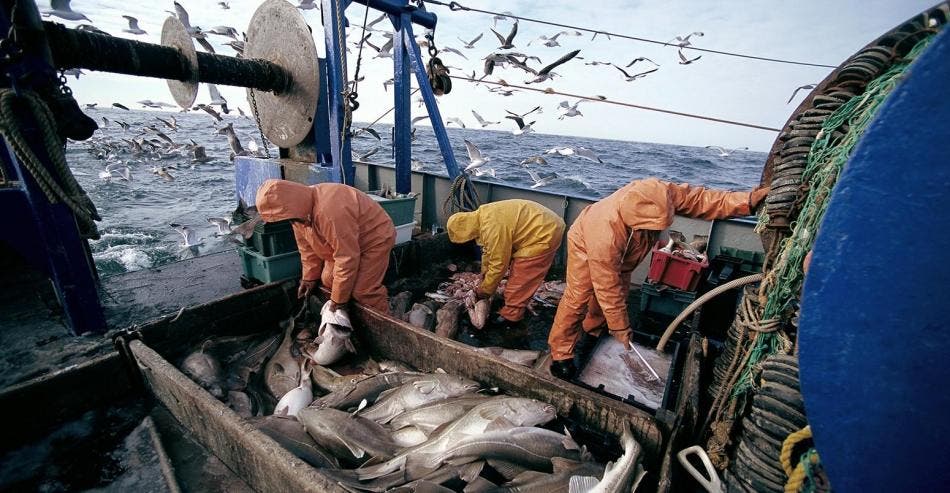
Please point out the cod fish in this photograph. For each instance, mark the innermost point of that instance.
(431, 416)
(521, 357)
(250, 361)
(347, 436)
(298, 398)
(558, 482)
(410, 436)
(417, 393)
(205, 370)
(622, 476)
(290, 434)
(282, 372)
(497, 413)
(358, 390)
(332, 342)
(529, 447)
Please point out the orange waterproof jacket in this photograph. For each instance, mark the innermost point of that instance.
(506, 229)
(339, 222)
(613, 235)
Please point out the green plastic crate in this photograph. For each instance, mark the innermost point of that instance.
(275, 238)
(668, 302)
(401, 210)
(751, 262)
(269, 269)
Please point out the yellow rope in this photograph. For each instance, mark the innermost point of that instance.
(797, 479)
(790, 442)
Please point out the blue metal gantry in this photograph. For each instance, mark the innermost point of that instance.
(407, 60)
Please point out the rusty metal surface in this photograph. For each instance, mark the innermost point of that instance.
(174, 35)
(256, 458)
(279, 34)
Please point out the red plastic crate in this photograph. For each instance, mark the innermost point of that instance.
(676, 272)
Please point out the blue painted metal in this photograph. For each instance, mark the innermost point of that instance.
(249, 174)
(321, 122)
(47, 235)
(875, 324)
(435, 117)
(402, 124)
(342, 157)
(398, 8)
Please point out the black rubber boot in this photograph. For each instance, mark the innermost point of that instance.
(564, 369)
(585, 347)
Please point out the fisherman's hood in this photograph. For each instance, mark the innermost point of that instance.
(463, 226)
(278, 200)
(647, 206)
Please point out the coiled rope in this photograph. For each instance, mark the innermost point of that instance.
(462, 196)
(801, 476)
(57, 184)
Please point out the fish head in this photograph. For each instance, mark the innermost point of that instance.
(529, 412)
(452, 385)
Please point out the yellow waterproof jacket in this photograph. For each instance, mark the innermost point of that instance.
(506, 229)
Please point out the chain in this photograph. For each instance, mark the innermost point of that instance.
(257, 118)
(347, 109)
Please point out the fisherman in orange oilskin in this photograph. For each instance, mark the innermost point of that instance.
(343, 235)
(606, 243)
(520, 237)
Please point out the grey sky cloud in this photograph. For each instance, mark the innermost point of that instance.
(725, 87)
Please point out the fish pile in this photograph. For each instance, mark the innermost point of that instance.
(461, 287)
(390, 426)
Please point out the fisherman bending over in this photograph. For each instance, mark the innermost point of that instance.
(344, 238)
(517, 235)
(606, 243)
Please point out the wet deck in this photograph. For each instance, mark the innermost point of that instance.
(34, 336)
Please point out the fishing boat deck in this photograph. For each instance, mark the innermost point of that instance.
(34, 335)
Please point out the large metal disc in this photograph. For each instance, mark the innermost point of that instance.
(279, 34)
(174, 35)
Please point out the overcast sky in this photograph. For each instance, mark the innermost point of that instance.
(726, 87)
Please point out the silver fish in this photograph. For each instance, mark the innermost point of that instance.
(357, 390)
(528, 446)
(347, 436)
(558, 482)
(622, 476)
(298, 398)
(332, 381)
(410, 436)
(431, 416)
(417, 393)
(333, 341)
(292, 436)
(205, 370)
(497, 413)
(282, 372)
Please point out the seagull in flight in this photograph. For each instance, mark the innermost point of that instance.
(641, 59)
(522, 127)
(447, 49)
(725, 152)
(806, 87)
(506, 42)
(133, 26)
(533, 160)
(567, 109)
(223, 224)
(471, 44)
(581, 152)
(200, 155)
(455, 120)
(189, 239)
(475, 157)
(540, 181)
(224, 5)
(484, 171)
(631, 78)
(306, 5)
(501, 17)
(684, 60)
(546, 72)
(551, 41)
(62, 9)
(683, 41)
(481, 121)
(217, 99)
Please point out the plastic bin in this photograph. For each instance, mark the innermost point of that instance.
(269, 269)
(749, 262)
(401, 210)
(665, 301)
(275, 238)
(676, 272)
(404, 233)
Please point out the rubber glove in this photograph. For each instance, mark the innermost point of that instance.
(623, 335)
(305, 288)
(757, 196)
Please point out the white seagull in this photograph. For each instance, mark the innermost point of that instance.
(187, 235)
(223, 224)
(133, 26)
(726, 152)
(471, 44)
(540, 181)
(481, 121)
(682, 41)
(61, 9)
(475, 158)
(567, 110)
(455, 120)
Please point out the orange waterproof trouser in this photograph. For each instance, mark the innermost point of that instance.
(524, 277)
(578, 308)
(368, 290)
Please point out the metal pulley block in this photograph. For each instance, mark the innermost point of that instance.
(438, 73)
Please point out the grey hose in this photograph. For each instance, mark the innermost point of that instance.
(735, 283)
